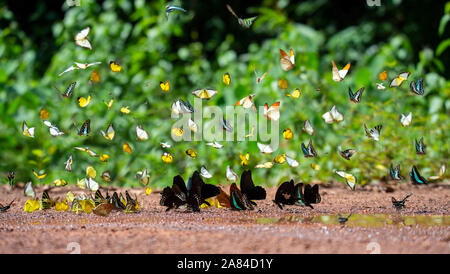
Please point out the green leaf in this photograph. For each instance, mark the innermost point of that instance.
(442, 46)
(443, 23)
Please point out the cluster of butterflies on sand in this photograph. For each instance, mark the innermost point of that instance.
(197, 193)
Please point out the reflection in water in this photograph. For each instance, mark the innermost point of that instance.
(363, 220)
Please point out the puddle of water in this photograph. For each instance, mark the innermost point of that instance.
(363, 220)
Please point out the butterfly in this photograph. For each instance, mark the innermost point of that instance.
(11, 175)
(441, 174)
(85, 128)
(215, 145)
(288, 134)
(342, 219)
(416, 178)
(226, 125)
(401, 203)
(239, 201)
(307, 127)
(110, 132)
(249, 189)
(264, 148)
(86, 149)
(104, 157)
(109, 104)
(373, 133)
(165, 145)
(95, 77)
(204, 93)
(339, 75)
(181, 106)
(309, 151)
(349, 178)
(417, 87)
(244, 159)
(245, 22)
(141, 134)
(231, 175)
(272, 113)
(406, 120)
(395, 174)
(77, 65)
(69, 90)
(116, 202)
(125, 110)
(285, 194)
(127, 148)
(143, 176)
(226, 78)
(192, 125)
(291, 162)
(399, 79)
(259, 78)
(83, 102)
(91, 172)
(91, 184)
(192, 153)
(26, 131)
(40, 175)
(114, 66)
(420, 147)
(287, 62)
(103, 209)
(172, 8)
(5, 208)
(81, 39)
(356, 97)
(59, 182)
(29, 191)
(167, 157)
(177, 131)
(46, 202)
(383, 75)
(223, 199)
(380, 86)
(132, 204)
(68, 164)
(283, 84)
(309, 196)
(106, 176)
(265, 165)
(205, 173)
(333, 116)
(54, 131)
(165, 86)
(346, 154)
(295, 94)
(247, 102)
(44, 114)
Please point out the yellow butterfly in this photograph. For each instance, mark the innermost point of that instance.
(165, 86)
(44, 114)
(95, 77)
(204, 93)
(110, 132)
(349, 178)
(288, 134)
(226, 78)
(177, 131)
(91, 172)
(127, 148)
(125, 110)
(62, 206)
(106, 176)
(167, 157)
(148, 190)
(244, 159)
(399, 79)
(295, 94)
(29, 132)
(282, 84)
(115, 67)
(383, 75)
(59, 182)
(315, 166)
(109, 104)
(104, 157)
(83, 102)
(191, 153)
(31, 205)
(265, 165)
(280, 159)
(41, 174)
(85, 149)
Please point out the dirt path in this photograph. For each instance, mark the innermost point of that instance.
(265, 230)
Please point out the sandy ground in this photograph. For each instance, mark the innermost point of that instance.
(264, 230)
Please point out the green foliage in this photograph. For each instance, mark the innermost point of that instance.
(151, 49)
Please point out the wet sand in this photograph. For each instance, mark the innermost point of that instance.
(264, 230)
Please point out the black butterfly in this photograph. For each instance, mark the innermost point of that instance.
(249, 189)
(46, 201)
(417, 87)
(346, 154)
(286, 194)
(238, 200)
(342, 219)
(310, 195)
(132, 204)
(117, 203)
(395, 173)
(420, 147)
(416, 178)
(85, 128)
(356, 97)
(400, 204)
(11, 175)
(99, 199)
(5, 208)
(309, 151)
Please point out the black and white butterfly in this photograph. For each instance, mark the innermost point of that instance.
(417, 87)
(373, 133)
(420, 147)
(69, 90)
(309, 151)
(401, 203)
(355, 97)
(85, 128)
(395, 174)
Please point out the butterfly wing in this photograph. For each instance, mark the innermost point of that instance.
(249, 189)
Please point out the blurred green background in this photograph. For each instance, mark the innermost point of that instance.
(193, 50)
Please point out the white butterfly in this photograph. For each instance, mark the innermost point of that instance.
(29, 132)
(143, 176)
(272, 112)
(373, 133)
(205, 173)
(247, 102)
(231, 175)
(91, 184)
(308, 127)
(79, 66)
(441, 174)
(264, 148)
(81, 39)
(333, 116)
(215, 145)
(165, 145)
(141, 134)
(54, 131)
(380, 86)
(338, 75)
(349, 178)
(29, 191)
(291, 162)
(192, 125)
(406, 120)
(265, 165)
(68, 163)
